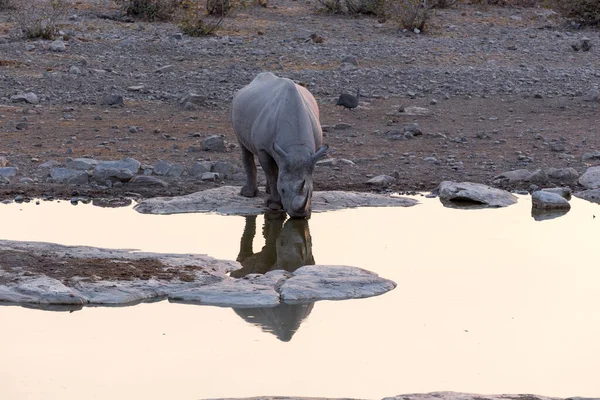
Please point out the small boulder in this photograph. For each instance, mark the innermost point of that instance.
(591, 178)
(29, 97)
(8, 172)
(199, 168)
(544, 200)
(223, 168)
(381, 180)
(475, 193)
(112, 100)
(69, 176)
(145, 181)
(82, 164)
(58, 46)
(214, 143)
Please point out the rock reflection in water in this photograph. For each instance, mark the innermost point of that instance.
(544, 215)
(288, 247)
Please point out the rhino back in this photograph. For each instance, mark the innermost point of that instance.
(272, 109)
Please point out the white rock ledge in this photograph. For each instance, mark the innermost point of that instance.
(226, 200)
(424, 396)
(45, 275)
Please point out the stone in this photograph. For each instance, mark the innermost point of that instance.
(592, 156)
(590, 178)
(50, 164)
(165, 69)
(82, 164)
(519, 175)
(452, 192)
(3, 161)
(231, 293)
(214, 143)
(4, 181)
(130, 164)
(342, 126)
(69, 176)
(413, 129)
(29, 97)
(226, 200)
(192, 98)
(561, 191)
(326, 162)
(549, 201)
(162, 167)
(22, 125)
(200, 168)
(562, 175)
(26, 181)
(224, 169)
(101, 175)
(209, 176)
(58, 46)
(145, 181)
(381, 180)
(332, 282)
(592, 195)
(112, 100)
(74, 70)
(8, 172)
(350, 60)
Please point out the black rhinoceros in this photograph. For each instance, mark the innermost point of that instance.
(278, 121)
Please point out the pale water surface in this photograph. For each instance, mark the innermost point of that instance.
(488, 301)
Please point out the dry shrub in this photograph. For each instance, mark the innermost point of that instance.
(40, 19)
(197, 20)
(586, 12)
(150, 10)
(408, 14)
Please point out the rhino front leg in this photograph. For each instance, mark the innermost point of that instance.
(250, 189)
(271, 171)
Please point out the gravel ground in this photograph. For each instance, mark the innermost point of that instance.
(489, 89)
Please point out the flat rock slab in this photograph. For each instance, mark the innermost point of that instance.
(474, 193)
(424, 396)
(226, 200)
(46, 274)
(592, 195)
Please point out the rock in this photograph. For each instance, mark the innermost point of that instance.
(350, 60)
(29, 97)
(592, 195)
(561, 191)
(4, 181)
(226, 200)
(593, 156)
(8, 172)
(50, 164)
(41, 290)
(130, 164)
(214, 143)
(112, 100)
(413, 129)
(519, 175)
(21, 125)
(69, 176)
(475, 193)
(165, 69)
(326, 162)
(209, 176)
(231, 293)
(594, 96)
(224, 169)
(74, 70)
(342, 126)
(58, 46)
(162, 167)
(539, 176)
(200, 168)
(145, 181)
(562, 175)
(328, 282)
(192, 98)
(101, 175)
(26, 181)
(3, 161)
(590, 178)
(381, 180)
(549, 201)
(82, 164)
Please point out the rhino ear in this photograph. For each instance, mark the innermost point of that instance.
(320, 153)
(279, 150)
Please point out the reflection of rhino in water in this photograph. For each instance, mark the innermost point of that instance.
(287, 246)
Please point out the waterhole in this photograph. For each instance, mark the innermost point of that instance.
(488, 301)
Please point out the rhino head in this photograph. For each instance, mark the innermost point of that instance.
(295, 182)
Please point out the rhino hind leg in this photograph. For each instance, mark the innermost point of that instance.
(250, 189)
(270, 167)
